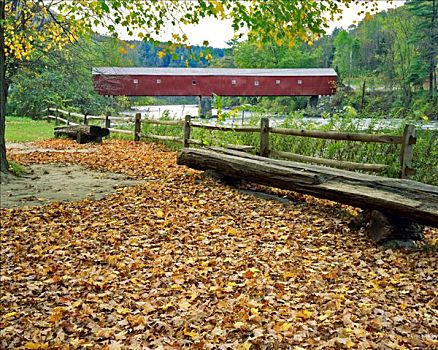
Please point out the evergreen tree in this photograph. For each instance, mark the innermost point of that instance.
(426, 36)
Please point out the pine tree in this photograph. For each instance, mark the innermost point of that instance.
(427, 36)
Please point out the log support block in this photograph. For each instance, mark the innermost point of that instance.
(82, 133)
(387, 229)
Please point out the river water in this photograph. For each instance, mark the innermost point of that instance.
(179, 111)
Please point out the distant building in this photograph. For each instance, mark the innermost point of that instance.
(144, 81)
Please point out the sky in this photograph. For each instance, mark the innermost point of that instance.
(217, 32)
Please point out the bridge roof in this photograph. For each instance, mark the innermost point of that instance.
(124, 71)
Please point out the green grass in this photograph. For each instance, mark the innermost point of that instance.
(22, 129)
(16, 168)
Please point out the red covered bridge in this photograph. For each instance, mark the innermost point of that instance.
(142, 81)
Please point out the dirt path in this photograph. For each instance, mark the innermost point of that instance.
(47, 183)
(30, 147)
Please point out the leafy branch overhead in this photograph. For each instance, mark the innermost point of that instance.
(33, 25)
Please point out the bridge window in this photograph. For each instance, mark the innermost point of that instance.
(277, 82)
(193, 82)
(233, 82)
(158, 81)
(299, 82)
(256, 83)
(135, 81)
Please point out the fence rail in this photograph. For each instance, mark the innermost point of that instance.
(164, 122)
(406, 141)
(341, 136)
(341, 164)
(225, 128)
(66, 121)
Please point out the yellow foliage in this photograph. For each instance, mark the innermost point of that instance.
(123, 51)
(289, 274)
(33, 30)
(9, 315)
(232, 231)
(245, 346)
(279, 42)
(191, 334)
(285, 326)
(306, 314)
(368, 17)
(36, 346)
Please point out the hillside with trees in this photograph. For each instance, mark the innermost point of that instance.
(393, 53)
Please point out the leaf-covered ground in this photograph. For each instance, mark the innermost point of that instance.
(184, 261)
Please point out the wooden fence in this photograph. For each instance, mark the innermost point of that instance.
(406, 141)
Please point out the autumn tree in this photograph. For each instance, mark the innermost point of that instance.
(62, 78)
(30, 28)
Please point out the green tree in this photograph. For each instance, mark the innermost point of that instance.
(62, 78)
(325, 44)
(371, 37)
(402, 52)
(426, 35)
(269, 55)
(346, 51)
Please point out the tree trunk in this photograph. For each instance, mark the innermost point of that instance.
(3, 92)
(403, 198)
(431, 78)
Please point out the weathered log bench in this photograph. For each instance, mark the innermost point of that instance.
(82, 133)
(400, 202)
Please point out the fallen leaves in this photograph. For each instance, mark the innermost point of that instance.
(183, 261)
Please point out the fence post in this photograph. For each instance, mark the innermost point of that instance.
(48, 113)
(407, 151)
(56, 116)
(107, 120)
(68, 118)
(85, 119)
(186, 130)
(264, 137)
(137, 127)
